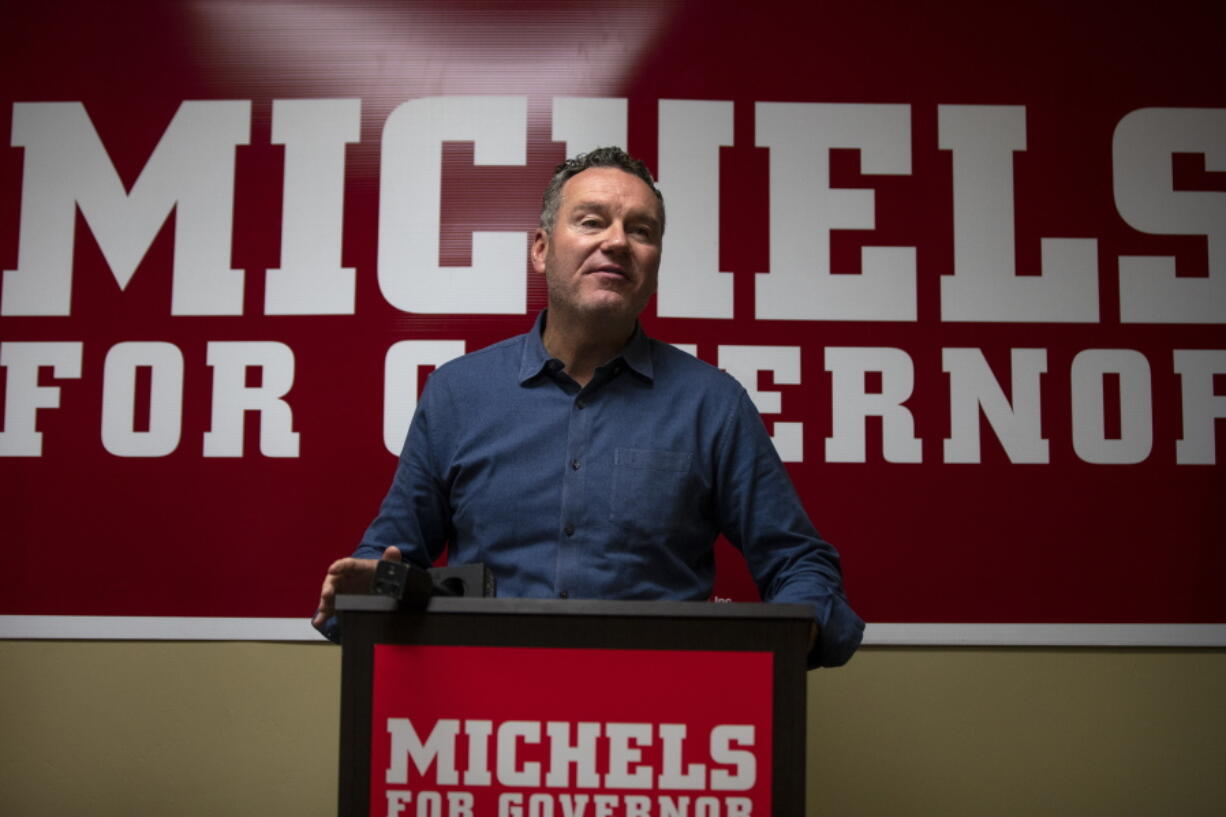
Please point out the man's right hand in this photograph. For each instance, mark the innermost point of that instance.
(348, 576)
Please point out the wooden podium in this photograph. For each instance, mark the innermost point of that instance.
(487, 706)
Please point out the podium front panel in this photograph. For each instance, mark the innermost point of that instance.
(537, 708)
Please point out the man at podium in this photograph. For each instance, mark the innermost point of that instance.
(584, 459)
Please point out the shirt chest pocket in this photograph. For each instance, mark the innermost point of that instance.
(649, 496)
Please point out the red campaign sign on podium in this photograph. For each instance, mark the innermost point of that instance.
(968, 260)
(533, 732)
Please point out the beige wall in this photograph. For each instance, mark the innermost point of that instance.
(120, 728)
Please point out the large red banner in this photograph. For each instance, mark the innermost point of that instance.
(969, 261)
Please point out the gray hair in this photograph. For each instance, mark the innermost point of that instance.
(613, 157)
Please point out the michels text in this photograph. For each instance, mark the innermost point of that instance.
(609, 760)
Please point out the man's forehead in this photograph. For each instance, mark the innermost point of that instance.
(590, 182)
(605, 176)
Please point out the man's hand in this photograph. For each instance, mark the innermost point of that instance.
(348, 576)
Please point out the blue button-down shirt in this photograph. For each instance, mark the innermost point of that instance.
(616, 490)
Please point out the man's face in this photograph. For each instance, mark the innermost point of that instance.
(602, 257)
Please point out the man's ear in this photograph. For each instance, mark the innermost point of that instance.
(540, 248)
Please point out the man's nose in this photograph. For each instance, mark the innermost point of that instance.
(615, 238)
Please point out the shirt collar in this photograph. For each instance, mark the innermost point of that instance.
(535, 358)
(636, 353)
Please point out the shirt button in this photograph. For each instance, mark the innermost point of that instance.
(574, 465)
(580, 404)
(569, 530)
